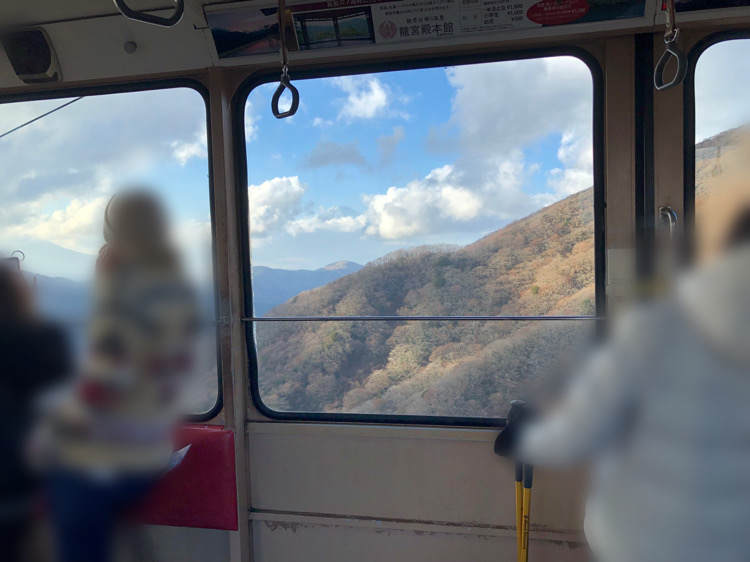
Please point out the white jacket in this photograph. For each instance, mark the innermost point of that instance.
(663, 413)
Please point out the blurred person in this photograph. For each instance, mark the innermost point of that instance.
(661, 413)
(35, 356)
(114, 434)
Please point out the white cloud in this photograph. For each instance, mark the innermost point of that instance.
(577, 155)
(447, 199)
(331, 219)
(366, 97)
(542, 97)
(320, 122)
(274, 203)
(185, 151)
(251, 122)
(506, 105)
(497, 111)
(58, 172)
(441, 201)
(75, 227)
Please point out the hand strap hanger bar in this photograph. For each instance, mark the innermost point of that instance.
(144, 17)
(284, 82)
(672, 50)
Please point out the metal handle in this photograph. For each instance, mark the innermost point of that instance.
(672, 50)
(144, 17)
(15, 259)
(668, 217)
(284, 84)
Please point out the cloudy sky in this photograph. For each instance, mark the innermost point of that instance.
(374, 163)
(369, 164)
(59, 172)
(721, 100)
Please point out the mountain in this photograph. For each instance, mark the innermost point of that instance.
(50, 259)
(542, 264)
(68, 300)
(721, 189)
(272, 287)
(60, 298)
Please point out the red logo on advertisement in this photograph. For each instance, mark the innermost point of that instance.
(387, 29)
(558, 12)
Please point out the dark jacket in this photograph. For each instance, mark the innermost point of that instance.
(33, 357)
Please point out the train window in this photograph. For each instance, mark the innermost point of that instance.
(65, 162)
(722, 135)
(395, 212)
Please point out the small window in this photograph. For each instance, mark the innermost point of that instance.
(722, 136)
(395, 212)
(59, 172)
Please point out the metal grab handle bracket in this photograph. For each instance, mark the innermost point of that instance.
(285, 84)
(669, 219)
(672, 50)
(144, 17)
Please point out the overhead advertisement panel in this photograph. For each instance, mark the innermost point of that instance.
(240, 31)
(695, 5)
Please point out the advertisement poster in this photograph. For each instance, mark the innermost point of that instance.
(695, 5)
(247, 30)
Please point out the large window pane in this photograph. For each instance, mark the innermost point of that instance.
(722, 131)
(459, 191)
(60, 171)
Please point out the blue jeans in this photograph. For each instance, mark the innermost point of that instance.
(85, 509)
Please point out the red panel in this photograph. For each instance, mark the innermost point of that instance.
(201, 491)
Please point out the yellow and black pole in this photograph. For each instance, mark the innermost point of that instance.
(528, 480)
(505, 445)
(519, 508)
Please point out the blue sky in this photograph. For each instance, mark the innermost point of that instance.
(375, 163)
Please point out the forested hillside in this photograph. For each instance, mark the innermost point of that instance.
(540, 265)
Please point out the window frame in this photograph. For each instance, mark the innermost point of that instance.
(329, 71)
(688, 129)
(145, 86)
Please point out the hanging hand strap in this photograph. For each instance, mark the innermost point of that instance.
(284, 82)
(671, 50)
(144, 17)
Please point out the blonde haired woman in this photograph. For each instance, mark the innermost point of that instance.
(114, 435)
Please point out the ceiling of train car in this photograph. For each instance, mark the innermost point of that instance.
(33, 11)
(89, 38)
(40, 11)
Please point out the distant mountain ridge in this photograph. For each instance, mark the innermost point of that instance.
(272, 287)
(68, 300)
